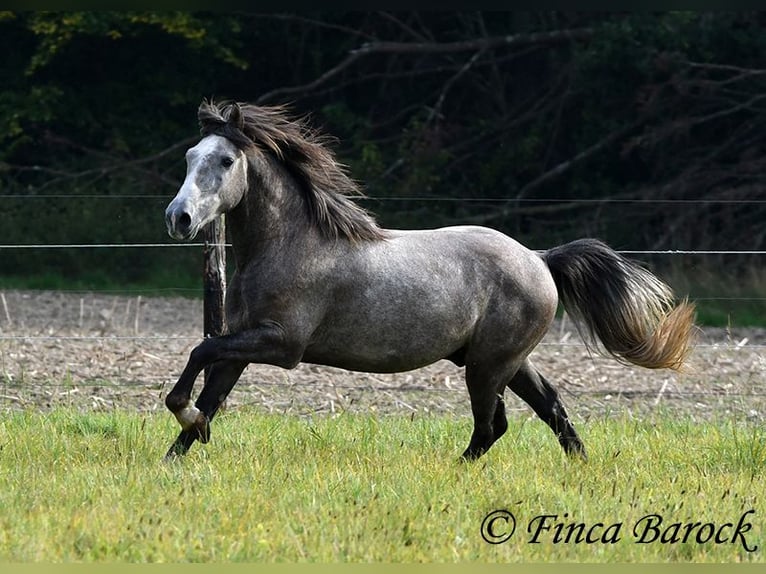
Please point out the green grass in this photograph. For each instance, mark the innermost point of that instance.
(93, 487)
(169, 282)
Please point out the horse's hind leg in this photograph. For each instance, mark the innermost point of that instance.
(221, 379)
(489, 421)
(539, 394)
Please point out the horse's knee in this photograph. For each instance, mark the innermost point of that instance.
(202, 354)
(175, 402)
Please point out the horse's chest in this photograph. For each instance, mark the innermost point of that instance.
(244, 312)
(273, 298)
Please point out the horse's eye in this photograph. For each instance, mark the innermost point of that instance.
(227, 162)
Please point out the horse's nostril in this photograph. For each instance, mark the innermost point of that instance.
(184, 221)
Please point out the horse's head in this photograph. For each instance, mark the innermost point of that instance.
(216, 180)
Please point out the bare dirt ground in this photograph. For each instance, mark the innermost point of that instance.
(93, 351)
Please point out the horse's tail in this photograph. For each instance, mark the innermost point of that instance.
(614, 300)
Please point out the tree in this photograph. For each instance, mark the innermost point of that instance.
(507, 119)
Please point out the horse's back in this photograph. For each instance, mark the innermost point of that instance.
(495, 258)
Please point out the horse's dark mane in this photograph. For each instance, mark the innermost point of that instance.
(304, 152)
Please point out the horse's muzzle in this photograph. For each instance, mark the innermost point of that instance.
(178, 222)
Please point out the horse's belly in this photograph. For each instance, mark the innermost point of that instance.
(381, 360)
(384, 346)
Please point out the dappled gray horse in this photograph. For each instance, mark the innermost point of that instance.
(318, 281)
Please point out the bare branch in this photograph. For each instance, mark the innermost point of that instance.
(329, 74)
(115, 161)
(499, 93)
(419, 71)
(309, 21)
(404, 26)
(727, 68)
(557, 171)
(514, 40)
(567, 165)
(436, 110)
(554, 37)
(684, 124)
(111, 164)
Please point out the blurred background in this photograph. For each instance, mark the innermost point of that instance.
(647, 130)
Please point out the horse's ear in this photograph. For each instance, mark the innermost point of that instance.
(203, 111)
(234, 117)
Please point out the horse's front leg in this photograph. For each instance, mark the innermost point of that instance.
(267, 343)
(179, 402)
(222, 377)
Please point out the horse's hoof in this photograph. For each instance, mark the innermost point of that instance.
(202, 426)
(175, 453)
(574, 449)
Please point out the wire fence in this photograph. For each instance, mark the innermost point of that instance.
(731, 371)
(227, 245)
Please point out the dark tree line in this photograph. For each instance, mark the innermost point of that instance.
(645, 129)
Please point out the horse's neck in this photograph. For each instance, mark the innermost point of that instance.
(271, 216)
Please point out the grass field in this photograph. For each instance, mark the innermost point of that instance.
(349, 488)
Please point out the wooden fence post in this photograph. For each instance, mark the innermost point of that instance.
(214, 281)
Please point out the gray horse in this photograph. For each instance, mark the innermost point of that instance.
(318, 281)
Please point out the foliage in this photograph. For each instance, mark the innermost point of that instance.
(655, 117)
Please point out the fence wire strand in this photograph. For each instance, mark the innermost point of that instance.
(158, 383)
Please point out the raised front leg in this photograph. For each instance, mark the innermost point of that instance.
(267, 344)
(222, 378)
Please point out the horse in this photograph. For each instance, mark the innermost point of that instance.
(318, 281)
